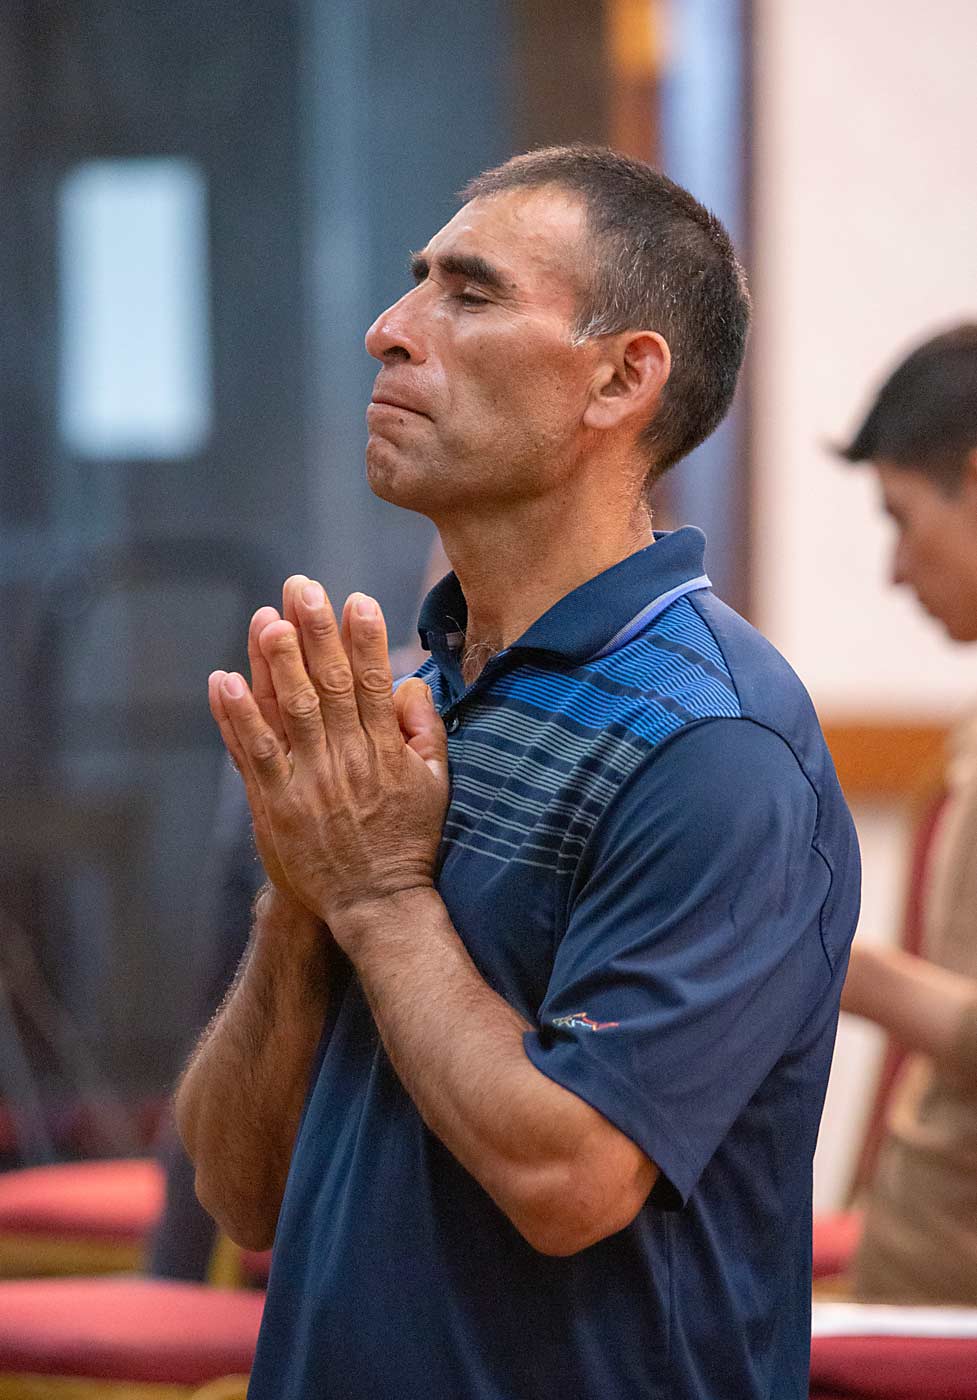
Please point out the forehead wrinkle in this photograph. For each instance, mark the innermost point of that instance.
(547, 233)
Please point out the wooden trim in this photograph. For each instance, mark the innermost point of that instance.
(634, 43)
(886, 759)
(40, 1387)
(35, 1256)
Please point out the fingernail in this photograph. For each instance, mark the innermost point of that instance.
(365, 607)
(313, 595)
(233, 686)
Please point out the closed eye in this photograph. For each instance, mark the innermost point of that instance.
(467, 268)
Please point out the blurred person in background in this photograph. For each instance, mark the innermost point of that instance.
(523, 1069)
(920, 1238)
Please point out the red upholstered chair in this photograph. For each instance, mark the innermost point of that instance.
(894, 1368)
(78, 1217)
(836, 1237)
(836, 1234)
(894, 1354)
(123, 1339)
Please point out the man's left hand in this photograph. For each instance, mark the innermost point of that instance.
(355, 792)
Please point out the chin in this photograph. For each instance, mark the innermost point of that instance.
(392, 479)
(383, 463)
(962, 629)
(418, 485)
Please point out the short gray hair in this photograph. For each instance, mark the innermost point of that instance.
(662, 262)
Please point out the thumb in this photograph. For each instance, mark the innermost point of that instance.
(421, 724)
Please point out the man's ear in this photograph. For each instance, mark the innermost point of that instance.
(630, 375)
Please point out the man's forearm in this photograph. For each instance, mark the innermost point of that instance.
(353, 795)
(927, 1008)
(240, 1099)
(561, 1173)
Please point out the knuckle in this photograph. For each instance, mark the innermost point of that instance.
(284, 643)
(302, 704)
(333, 681)
(356, 763)
(375, 680)
(321, 627)
(264, 749)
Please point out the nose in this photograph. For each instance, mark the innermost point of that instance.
(395, 334)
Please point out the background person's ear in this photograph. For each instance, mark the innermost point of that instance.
(630, 377)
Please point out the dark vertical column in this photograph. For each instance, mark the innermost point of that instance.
(563, 85)
(403, 105)
(24, 316)
(104, 80)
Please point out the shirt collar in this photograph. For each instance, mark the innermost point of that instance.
(593, 619)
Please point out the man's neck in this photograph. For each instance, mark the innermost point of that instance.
(514, 565)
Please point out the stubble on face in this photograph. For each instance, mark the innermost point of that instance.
(504, 382)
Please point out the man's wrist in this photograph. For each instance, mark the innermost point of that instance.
(361, 925)
(280, 915)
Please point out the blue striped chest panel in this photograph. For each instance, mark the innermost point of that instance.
(540, 753)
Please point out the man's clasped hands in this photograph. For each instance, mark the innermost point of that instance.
(347, 779)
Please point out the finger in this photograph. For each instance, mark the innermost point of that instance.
(298, 699)
(222, 720)
(264, 755)
(237, 754)
(328, 666)
(421, 725)
(290, 591)
(261, 685)
(344, 631)
(371, 671)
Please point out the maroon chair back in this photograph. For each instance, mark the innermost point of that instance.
(894, 1368)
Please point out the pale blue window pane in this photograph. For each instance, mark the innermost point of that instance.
(135, 377)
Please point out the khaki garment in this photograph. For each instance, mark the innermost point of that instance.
(920, 1240)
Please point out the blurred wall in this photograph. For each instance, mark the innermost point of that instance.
(402, 106)
(864, 236)
(301, 148)
(866, 226)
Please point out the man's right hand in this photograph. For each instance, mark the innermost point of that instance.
(264, 694)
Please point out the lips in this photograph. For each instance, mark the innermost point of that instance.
(387, 399)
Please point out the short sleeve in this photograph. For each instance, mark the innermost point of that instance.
(692, 955)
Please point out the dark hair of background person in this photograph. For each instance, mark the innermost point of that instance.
(925, 414)
(662, 263)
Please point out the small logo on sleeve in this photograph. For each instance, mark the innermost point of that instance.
(579, 1020)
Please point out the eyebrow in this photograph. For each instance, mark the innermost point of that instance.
(468, 265)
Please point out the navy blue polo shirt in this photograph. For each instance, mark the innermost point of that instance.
(648, 855)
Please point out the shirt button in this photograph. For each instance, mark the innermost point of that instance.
(454, 724)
